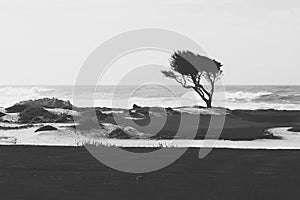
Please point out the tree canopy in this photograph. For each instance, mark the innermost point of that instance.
(191, 70)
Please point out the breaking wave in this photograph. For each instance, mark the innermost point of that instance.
(236, 97)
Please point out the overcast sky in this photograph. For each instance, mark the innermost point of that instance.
(46, 42)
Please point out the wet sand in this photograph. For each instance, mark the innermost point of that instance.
(31, 172)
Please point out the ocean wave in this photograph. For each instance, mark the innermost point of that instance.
(236, 97)
(14, 94)
(245, 96)
(23, 91)
(278, 98)
(261, 105)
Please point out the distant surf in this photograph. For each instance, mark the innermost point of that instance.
(237, 96)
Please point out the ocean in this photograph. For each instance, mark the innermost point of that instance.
(279, 97)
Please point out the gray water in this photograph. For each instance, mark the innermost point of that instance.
(236, 96)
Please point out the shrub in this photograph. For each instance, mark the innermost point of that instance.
(17, 108)
(44, 102)
(34, 114)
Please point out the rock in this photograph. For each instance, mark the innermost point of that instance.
(170, 111)
(133, 133)
(50, 103)
(139, 112)
(118, 133)
(37, 115)
(46, 128)
(44, 102)
(2, 114)
(136, 106)
(17, 108)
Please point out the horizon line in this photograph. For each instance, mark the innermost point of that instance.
(7, 85)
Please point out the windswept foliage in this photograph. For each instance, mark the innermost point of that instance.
(191, 70)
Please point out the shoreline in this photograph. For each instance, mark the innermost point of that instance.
(148, 126)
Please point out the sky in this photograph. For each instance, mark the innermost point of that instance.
(46, 42)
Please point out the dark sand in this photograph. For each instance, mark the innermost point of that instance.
(28, 172)
(238, 125)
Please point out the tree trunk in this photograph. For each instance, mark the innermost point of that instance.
(208, 103)
(208, 100)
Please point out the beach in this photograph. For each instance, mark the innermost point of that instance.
(155, 100)
(33, 172)
(149, 127)
(43, 152)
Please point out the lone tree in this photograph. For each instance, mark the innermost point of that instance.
(192, 70)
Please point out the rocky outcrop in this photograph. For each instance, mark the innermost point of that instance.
(34, 114)
(17, 108)
(33, 111)
(44, 102)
